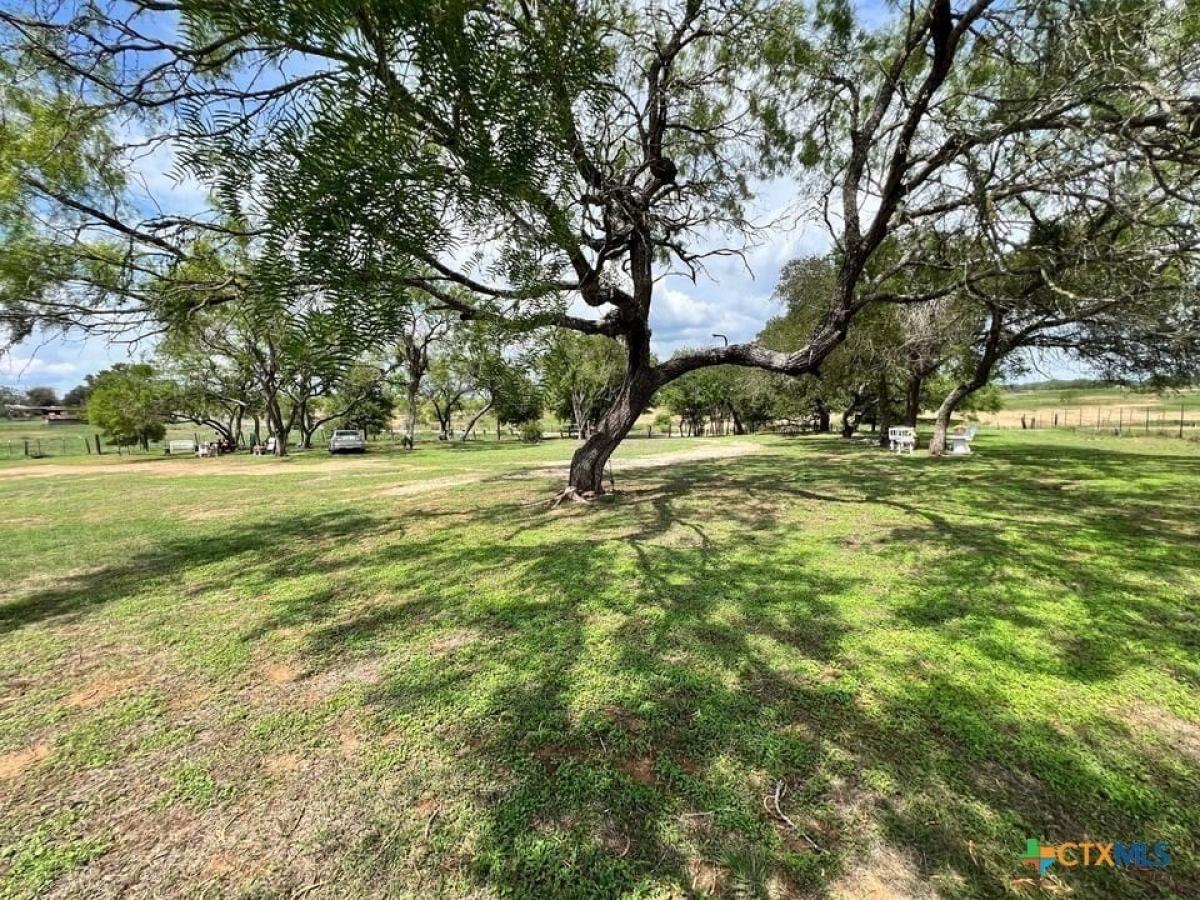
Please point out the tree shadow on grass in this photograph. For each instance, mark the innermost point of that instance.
(623, 740)
(272, 549)
(610, 697)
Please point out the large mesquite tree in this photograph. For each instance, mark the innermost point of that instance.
(548, 163)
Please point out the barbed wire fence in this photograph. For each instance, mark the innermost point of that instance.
(1120, 421)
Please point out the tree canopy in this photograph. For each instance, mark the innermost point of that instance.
(539, 165)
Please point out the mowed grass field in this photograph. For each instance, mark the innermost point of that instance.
(776, 667)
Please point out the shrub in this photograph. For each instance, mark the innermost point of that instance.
(530, 432)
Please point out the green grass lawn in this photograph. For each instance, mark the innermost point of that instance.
(800, 668)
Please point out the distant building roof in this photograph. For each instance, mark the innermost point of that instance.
(43, 409)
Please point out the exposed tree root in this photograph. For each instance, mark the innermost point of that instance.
(574, 495)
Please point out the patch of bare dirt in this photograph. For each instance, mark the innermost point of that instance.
(14, 763)
(188, 700)
(323, 685)
(886, 874)
(641, 770)
(349, 742)
(1181, 734)
(455, 639)
(707, 878)
(631, 722)
(98, 692)
(280, 673)
(221, 864)
(283, 763)
(432, 484)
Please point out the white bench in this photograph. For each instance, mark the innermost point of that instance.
(902, 439)
(176, 447)
(960, 441)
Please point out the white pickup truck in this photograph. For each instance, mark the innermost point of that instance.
(347, 442)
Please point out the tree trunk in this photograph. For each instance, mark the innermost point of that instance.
(411, 390)
(579, 410)
(235, 428)
(912, 400)
(470, 425)
(822, 418)
(884, 402)
(638, 386)
(996, 346)
(941, 422)
(278, 429)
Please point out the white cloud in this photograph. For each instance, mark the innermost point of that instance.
(60, 361)
(24, 368)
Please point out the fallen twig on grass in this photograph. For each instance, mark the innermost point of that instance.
(778, 795)
(429, 824)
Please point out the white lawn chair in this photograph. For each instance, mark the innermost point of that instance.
(902, 439)
(960, 441)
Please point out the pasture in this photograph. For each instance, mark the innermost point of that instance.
(768, 666)
(1110, 409)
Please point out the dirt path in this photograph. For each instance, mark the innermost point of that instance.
(171, 467)
(622, 464)
(268, 468)
(696, 454)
